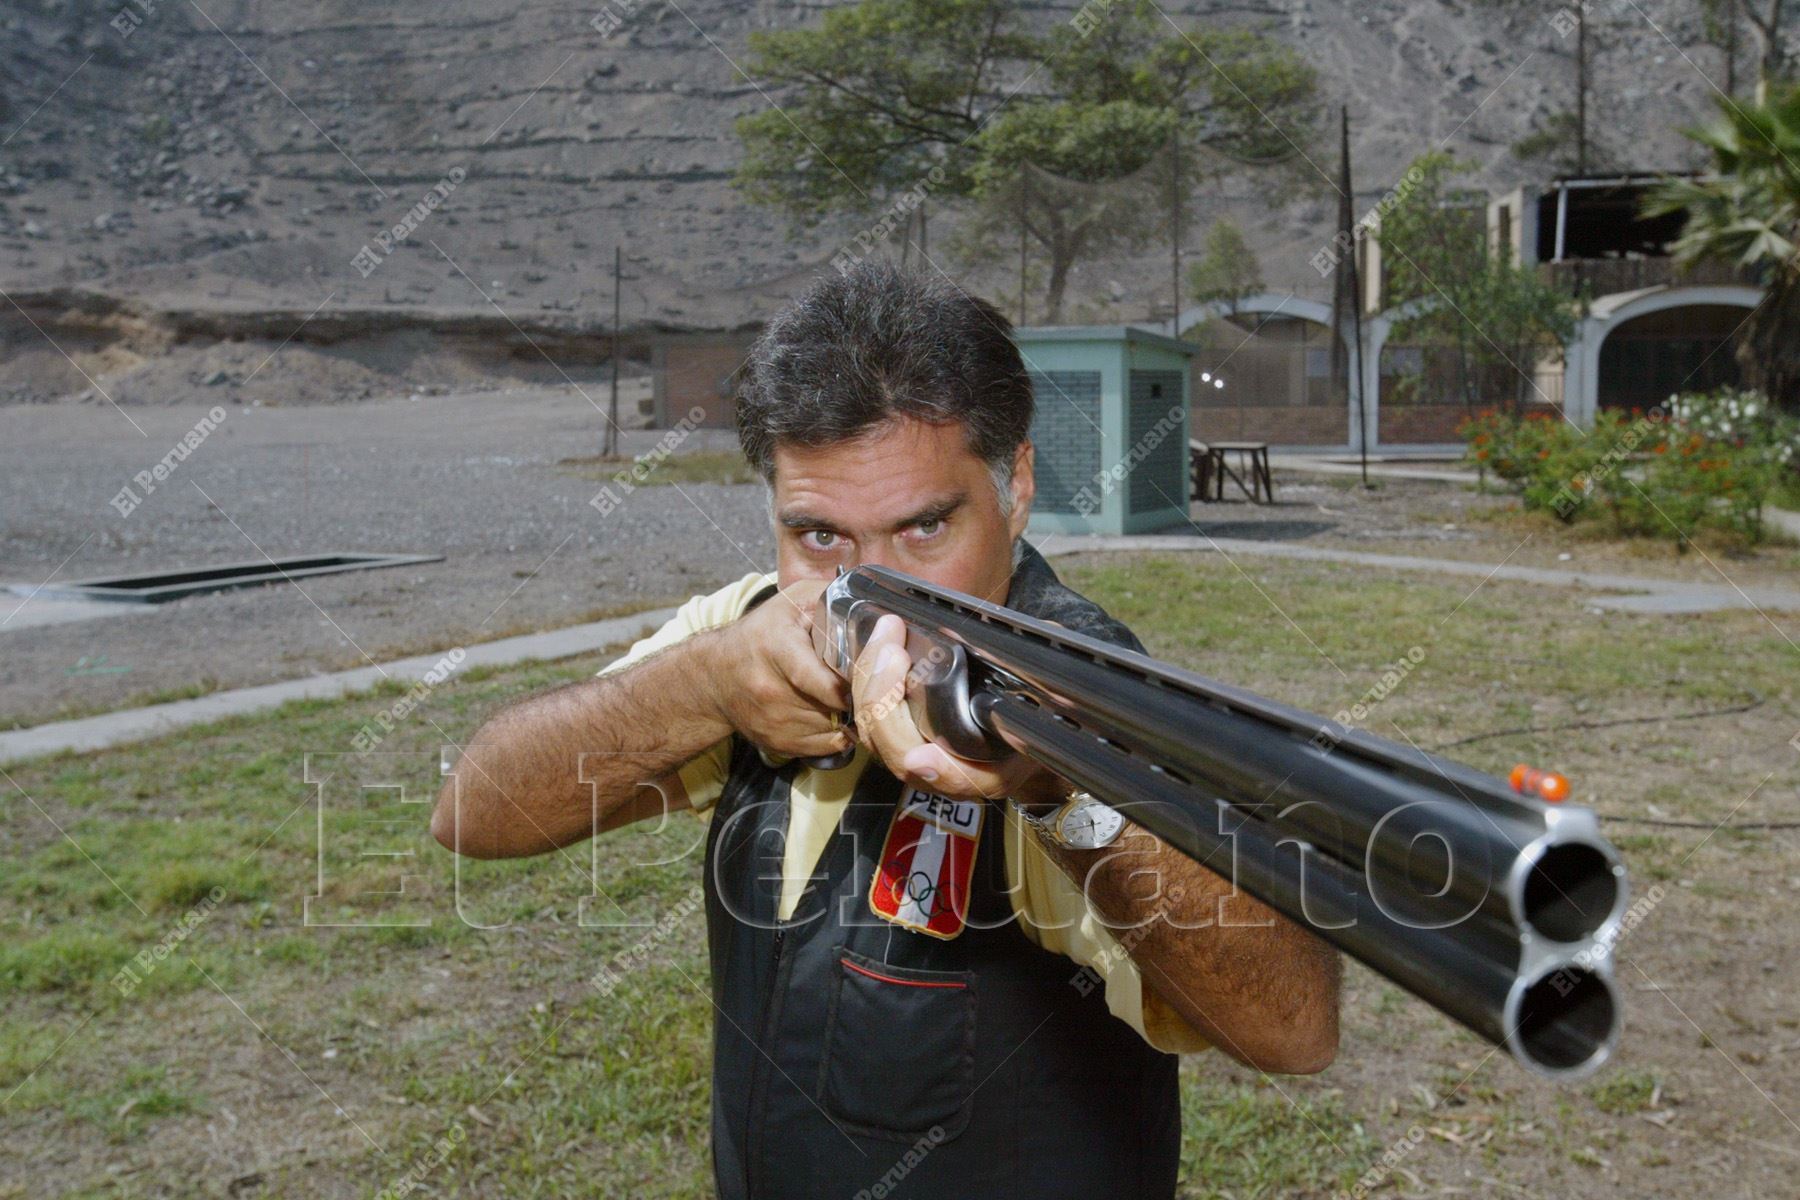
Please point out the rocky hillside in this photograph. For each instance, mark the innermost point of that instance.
(261, 155)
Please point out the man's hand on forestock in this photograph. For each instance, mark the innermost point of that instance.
(885, 724)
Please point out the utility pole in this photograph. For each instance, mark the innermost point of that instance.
(1731, 36)
(1175, 228)
(1346, 297)
(610, 445)
(1024, 208)
(1581, 93)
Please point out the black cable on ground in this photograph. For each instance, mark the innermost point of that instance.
(1754, 702)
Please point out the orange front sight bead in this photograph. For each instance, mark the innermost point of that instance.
(1530, 781)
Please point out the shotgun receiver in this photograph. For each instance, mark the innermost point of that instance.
(1496, 908)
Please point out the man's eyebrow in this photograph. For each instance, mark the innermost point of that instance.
(937, 510)
(801, 519)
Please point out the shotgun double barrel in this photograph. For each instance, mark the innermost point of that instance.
(1497, 908)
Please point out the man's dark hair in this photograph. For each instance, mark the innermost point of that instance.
(864, 346)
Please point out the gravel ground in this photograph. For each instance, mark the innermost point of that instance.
(473, 477)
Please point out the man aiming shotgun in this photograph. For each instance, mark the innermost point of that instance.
(897, 946)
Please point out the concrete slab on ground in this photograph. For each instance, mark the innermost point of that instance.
(26, 609)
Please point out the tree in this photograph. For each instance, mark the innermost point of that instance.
(1071, 177)
(883, 92)
(1227, 270)
(892, 92)
(1719, 26)
(1559, 142)
(1565, 138)
(1498, 318)
(1772, 63)
(1133, 116)
(1720, 23)
(1748, 212)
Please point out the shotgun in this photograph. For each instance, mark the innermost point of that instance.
(1495, 907)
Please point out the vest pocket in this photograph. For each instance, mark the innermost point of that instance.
(899, 1050)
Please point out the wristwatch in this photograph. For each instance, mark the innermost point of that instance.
(1082, 822)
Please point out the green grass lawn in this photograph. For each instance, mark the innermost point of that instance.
(358, 1005)
(695, 466)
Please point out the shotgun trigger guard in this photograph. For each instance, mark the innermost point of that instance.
(938, 689)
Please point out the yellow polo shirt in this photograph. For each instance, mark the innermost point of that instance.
(1051, 908)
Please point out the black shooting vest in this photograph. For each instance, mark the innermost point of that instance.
(857, 1058)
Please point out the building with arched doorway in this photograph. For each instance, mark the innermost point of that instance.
(1263, 371)
(1650, 328)
(1636, 349)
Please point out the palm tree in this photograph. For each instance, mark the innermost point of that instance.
(1748, 212)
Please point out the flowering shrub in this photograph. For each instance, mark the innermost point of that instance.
(1515, 448)
(1742, 418)
(1698, 460)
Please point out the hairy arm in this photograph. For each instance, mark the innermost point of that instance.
(518, 788)
(1255, 984)
(561, 766)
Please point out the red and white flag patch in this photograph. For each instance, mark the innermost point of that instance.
(922, 880)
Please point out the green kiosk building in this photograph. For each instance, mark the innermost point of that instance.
(1111, 428)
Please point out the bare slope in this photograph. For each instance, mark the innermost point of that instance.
(242, 155)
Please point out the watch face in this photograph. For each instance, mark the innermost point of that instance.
(1090, 825)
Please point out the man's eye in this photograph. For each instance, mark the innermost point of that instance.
(818, 539)
(930, 528)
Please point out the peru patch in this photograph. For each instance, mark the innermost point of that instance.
(922, 879)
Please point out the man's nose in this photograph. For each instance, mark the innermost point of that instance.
(879, 555)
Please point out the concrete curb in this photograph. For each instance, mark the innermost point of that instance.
(139, 724)
(1644, 595)
(1383, 470)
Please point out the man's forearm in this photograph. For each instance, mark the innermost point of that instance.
(544, 772)
(1255, 984)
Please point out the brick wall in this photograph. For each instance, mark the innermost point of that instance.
(697, 373)
(1280, 425)
(1420, 424)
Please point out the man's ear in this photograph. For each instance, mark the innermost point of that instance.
(1024, 487)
